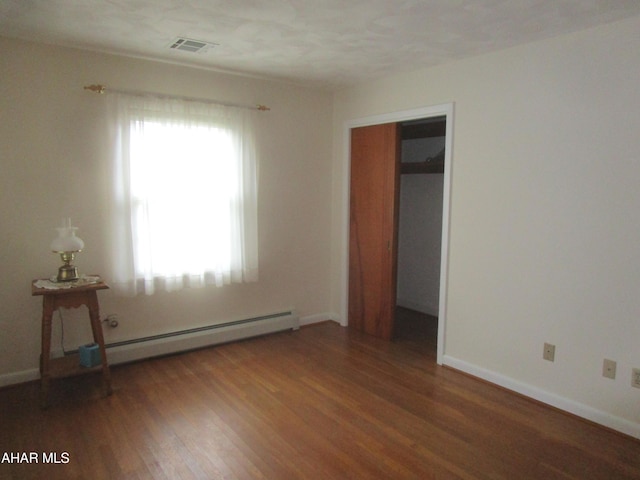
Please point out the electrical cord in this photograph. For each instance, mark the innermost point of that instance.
(113, 323)
(61, 331)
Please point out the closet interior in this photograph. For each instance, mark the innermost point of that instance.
(420, 229)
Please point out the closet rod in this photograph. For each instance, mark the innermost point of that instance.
(98, 88)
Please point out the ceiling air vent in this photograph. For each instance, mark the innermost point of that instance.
(190, 45)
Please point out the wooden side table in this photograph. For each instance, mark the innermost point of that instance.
(71, 297)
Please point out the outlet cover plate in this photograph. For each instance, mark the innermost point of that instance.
(549, 352)
(609, 368)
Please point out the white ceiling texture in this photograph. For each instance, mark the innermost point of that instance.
(324, 43)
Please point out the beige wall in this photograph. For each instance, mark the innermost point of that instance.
(545, 213)
(51, 158)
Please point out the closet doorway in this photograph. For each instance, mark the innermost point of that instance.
(422, 151)
(375, 281)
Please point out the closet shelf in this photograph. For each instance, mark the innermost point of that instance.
(421, 167)
(433, 164)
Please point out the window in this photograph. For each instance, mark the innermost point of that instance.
(185, 210)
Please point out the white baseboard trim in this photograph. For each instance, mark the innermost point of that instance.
(589, 413)
(316, 318)
(19, 377)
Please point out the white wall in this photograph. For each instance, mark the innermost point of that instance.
(545, 213)
(52, 139)
(420, 229)
(419, 239)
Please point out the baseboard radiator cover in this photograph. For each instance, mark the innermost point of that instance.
(199, 337)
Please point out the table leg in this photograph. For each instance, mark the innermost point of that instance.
(96, 328)
(45, 353)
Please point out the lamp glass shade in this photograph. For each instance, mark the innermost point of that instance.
(67, 241)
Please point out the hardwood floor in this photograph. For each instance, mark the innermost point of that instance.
(320, 403)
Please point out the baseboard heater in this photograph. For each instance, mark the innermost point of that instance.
(199, 337)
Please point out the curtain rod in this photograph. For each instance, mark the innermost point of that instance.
(101, 89)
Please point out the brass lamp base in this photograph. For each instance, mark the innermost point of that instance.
(67, 272)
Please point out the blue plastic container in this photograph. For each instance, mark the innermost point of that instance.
(90, 355)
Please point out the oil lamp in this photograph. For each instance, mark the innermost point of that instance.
(67, 244)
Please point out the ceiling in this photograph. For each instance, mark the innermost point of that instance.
(323, 43)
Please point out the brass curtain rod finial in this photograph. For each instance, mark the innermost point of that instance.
(96, 88)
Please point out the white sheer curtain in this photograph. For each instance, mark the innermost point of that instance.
(184, 207)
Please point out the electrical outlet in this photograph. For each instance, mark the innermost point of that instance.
(635, 377)
(609, 368)
(549, 352)
(111, 320)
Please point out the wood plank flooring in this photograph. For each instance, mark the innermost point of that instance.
(320, 403)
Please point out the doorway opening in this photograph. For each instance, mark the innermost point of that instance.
(416, 118)
(422, 154)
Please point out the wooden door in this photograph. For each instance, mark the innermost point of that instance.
(373, 229)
